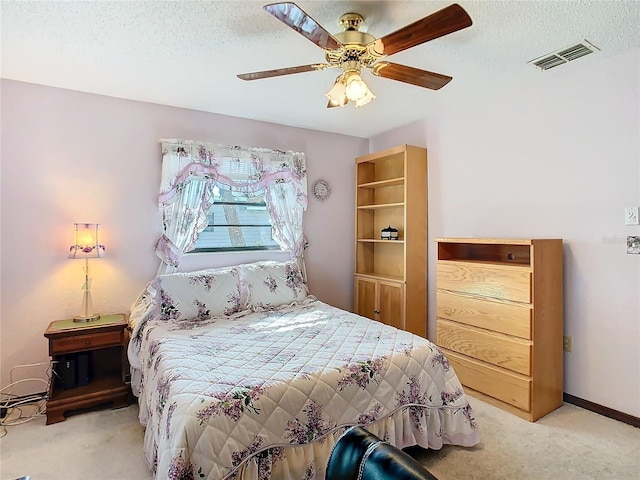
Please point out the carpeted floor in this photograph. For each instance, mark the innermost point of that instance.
(569, 444)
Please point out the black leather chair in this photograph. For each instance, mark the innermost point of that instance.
(360, 455)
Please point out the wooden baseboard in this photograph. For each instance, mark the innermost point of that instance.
(601, 410)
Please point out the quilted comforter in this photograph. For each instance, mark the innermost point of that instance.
(267, 394)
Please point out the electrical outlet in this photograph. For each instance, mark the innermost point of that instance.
(566, 344)
(631, 216)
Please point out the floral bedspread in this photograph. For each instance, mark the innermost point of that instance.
(267, 394)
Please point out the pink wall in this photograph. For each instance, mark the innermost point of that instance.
(559, 158)
(75, 157)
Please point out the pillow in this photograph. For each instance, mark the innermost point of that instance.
(143, 305)
(272, 284)
(200, 295)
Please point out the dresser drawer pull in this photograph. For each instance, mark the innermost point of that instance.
(87, 342)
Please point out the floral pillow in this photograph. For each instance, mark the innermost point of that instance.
(272, 284)
(200, 295)
(144, 304)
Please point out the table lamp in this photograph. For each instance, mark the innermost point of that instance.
(86, 246)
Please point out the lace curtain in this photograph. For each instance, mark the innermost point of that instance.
(191, 169)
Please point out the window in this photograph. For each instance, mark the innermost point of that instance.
(190, 172)
(237, 221)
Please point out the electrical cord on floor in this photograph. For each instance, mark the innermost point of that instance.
(16, 416)
(12, 405)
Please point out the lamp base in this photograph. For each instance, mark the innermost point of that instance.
(86, 318)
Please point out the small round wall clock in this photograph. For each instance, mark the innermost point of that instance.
(321, 189)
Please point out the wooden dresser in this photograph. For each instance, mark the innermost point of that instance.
(499, 307)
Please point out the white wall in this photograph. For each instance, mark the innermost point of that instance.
(559, 158)
(74, 157)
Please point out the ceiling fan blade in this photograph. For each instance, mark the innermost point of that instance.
(293, 16)
(283, 71)
(445, 21)
(415, 76)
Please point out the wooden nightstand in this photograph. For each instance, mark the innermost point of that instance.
(90, 365)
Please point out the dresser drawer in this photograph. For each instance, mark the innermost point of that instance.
(85, 342)
(491, 315)
(507, 283)
(501, 384)
(500, 350)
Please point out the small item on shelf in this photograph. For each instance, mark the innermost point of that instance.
(389, 233)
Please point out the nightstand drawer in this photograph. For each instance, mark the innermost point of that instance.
(501, 350)
(508, 318)
(505, 282)
(85, 342)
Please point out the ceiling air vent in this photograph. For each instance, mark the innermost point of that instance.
(565, 55)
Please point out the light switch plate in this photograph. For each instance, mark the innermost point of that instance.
(631, 216)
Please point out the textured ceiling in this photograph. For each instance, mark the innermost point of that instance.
(187, 53)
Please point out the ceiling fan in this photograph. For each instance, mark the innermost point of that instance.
(353, 50)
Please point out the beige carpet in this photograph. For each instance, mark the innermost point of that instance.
(570, 443)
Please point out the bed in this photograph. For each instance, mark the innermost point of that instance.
(241, 374)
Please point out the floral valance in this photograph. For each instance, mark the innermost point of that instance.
(232, 166)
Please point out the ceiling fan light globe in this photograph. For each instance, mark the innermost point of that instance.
(338, 103)
(365, 99)
(337, 91)
(356, 88)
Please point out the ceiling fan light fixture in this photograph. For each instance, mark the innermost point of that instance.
(349, 86)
